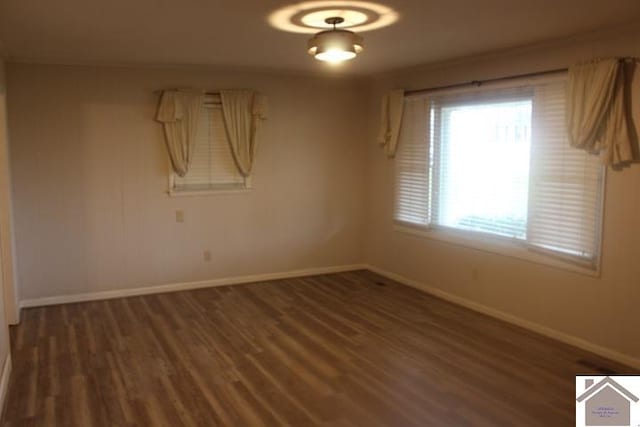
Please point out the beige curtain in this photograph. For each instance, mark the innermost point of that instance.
(179, 113)
(390, 120)
(242, 111)
(598, 117)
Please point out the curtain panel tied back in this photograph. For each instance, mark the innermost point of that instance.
(243, 110)
(390, 120)
(179, 113)
(598, 114)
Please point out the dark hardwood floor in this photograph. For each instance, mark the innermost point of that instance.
(349, 349)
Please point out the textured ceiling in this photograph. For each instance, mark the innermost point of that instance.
(237, 33)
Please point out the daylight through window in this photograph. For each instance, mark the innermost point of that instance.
(497, 161)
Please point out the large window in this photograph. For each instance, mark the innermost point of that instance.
(212, 167)
(497, 162)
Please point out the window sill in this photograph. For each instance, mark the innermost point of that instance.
(208, 192)
(500, 246)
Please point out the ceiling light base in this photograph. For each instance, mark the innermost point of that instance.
(335, 20)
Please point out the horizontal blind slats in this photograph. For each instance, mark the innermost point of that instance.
(412, 164)
(565, 194)
(498, 161)
(212, 164)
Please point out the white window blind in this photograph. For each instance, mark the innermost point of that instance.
(212, 166)
(498, 161)
(411, 164)
(566, 188)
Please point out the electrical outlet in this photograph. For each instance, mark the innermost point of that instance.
(206, 255)
(179, 215)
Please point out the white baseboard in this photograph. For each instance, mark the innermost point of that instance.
(4, 382)
(583, 344)
(174, 287)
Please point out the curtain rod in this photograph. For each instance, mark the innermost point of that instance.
(478, 83)
(159, 92)
(501, 79)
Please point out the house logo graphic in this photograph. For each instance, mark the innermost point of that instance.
(606, 403)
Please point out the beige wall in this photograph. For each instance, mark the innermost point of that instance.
(90, 181)
(603, 311)
(89, 171)
(4, 331)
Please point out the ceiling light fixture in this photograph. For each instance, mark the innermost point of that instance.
(335, 45)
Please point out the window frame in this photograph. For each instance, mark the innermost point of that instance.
(213, 189)
(502, 245)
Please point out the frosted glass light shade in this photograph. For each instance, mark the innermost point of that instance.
(335, 45)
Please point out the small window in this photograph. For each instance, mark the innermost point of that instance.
(498, 162)
(212, 167)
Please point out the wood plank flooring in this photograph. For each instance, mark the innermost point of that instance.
(349, 349)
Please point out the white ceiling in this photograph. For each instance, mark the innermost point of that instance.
(236, 32)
